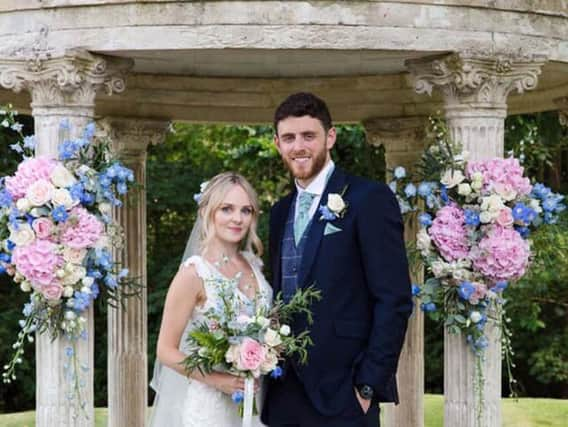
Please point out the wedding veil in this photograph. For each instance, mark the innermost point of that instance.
(170, 386)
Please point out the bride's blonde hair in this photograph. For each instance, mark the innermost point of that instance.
(213, 196)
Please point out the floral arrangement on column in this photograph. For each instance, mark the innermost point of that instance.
(56, 238)
(476, 219)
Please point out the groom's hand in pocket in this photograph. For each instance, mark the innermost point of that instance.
(365, 404)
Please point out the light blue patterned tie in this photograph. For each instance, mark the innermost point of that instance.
(304, 204)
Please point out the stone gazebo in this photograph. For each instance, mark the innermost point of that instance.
(137, 65)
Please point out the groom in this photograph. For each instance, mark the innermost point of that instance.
(345, 235)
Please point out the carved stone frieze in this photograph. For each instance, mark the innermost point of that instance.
(477, 79)
(70, 79)
(131, 136)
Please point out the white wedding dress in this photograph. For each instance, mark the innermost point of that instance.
(201, 405)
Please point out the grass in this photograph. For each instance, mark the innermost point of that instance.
(516, 413)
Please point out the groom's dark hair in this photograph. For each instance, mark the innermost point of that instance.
(303, 104)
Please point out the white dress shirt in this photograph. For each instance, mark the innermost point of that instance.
(317, 187)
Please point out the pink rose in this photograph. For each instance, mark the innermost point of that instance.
(252, 355)
(505, 217)
(43, 228)
(52, 292)
(40, 192)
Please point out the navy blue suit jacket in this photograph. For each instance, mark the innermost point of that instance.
(362, 271)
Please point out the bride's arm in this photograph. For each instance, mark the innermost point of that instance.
(185, 292)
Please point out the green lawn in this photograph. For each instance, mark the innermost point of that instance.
(516, 413)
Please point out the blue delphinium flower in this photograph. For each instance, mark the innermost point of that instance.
(523, 231)
(59, 214)
(471, 217)
(95, 274)
(89, 130)
(17, 148)
(103, 259)
(6, 199)
(95, 291)
(68, 150)
(415, 290)
(540, 191)
(466, 290)
(121, 188)
(424, 189)
(81, 301)
(327, 214)
(428, 307)
(238, 396)
(444, 193)
(30, 142)
(110, 281)
(399, 172)
(410, 190)
(392, 186)
(523, 213)
(276, 372)
(5, 257)
(13, 218)
(10, 245)
(425, 219)
(69, 351)
(500, 286)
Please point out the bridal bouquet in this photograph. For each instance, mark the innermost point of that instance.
(249, 345)
(56, 235)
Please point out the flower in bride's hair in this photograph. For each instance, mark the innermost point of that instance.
(197, 196)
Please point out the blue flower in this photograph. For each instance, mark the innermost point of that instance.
(471, 218)
(444, 193)
(481, 343)
(428, 307)
(2, 269)
(5, 258)
(17, 148)
(523, 231)
(76, 191)
(415, 290)
(410, 190)
(466, 290)
(10, 245)
(424, 189)
(17, 127)
(89, 131)
(110, 281)
(65, 124)
(69, 351)
(500, 286)
(425, 219)
(87, 199)
(80, 301)
(121, 188)
(276, 372)
(540, 191)
(68, 150)
(550, 218)
(399, 172)
(523, 213)
(96, 274)
(327, 214)
(549, 204)
(28, 308)
(95, 291)
(104, 180)
(103, 259)
(238, 396)
(59, 214)
(197, 197)
(392, 186)
(431, 201)
(123, 273)
(6, 199)
(30, 142)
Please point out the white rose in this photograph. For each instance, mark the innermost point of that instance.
(62, 197)
(70, 315)
(476, 185)
(535, 205)
(24, 235)
(75, 273)
(25, 286)
(232, 354)
(74, 256)
(485, 217)
(438, 268)
(335, 203)
(61, 177)
(451, 178)
(506, 192)
(40, 192)
(88, 281)
(477, 177)
(423, 240)
(105, 208)
(285, 330)
(475, 316)
(68, 291)
(464, 189)
(23, 205)
(269, 363)
(492, 203)
(272, 338)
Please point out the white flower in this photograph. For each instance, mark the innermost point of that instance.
(25, 286)
(68, 291)
(86, 290)
(40, 192)
(285, 330)
(70, 315)
(335, 203)
(74, 256)
(507, 192)
(464, 189)
(23, 205)
(476, 185)
(493, 203)
(485, 217)
(262, 321)
(62, 197)
(103, 243)
(105, 208)
(24, 235)
(74, 273)
(439, 268)
(88, 281)
(399, 172)
(61, 177)
(535, 205)
(451, 178)
(423, 240)
(475, 316)
(477, 177)
(272, 338)
(269, 363)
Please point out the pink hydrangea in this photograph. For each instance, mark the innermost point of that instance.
(29, 171)
(449, 234)
(82, 229)
(501, 255)
(38, 262)
(506, 174)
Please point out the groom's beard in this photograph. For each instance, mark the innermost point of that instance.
(315, 164)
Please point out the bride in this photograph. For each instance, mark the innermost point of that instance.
(224, 247)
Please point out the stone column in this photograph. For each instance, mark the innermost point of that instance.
(62, 87)
(562, 110)
(127, 327)
(475, 88)
(403, 140)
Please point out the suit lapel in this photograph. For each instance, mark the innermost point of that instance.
(335, 184)
(281, 215)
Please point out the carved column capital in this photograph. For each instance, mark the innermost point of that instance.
(70, 79)
(478, 79)
(562, 104)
